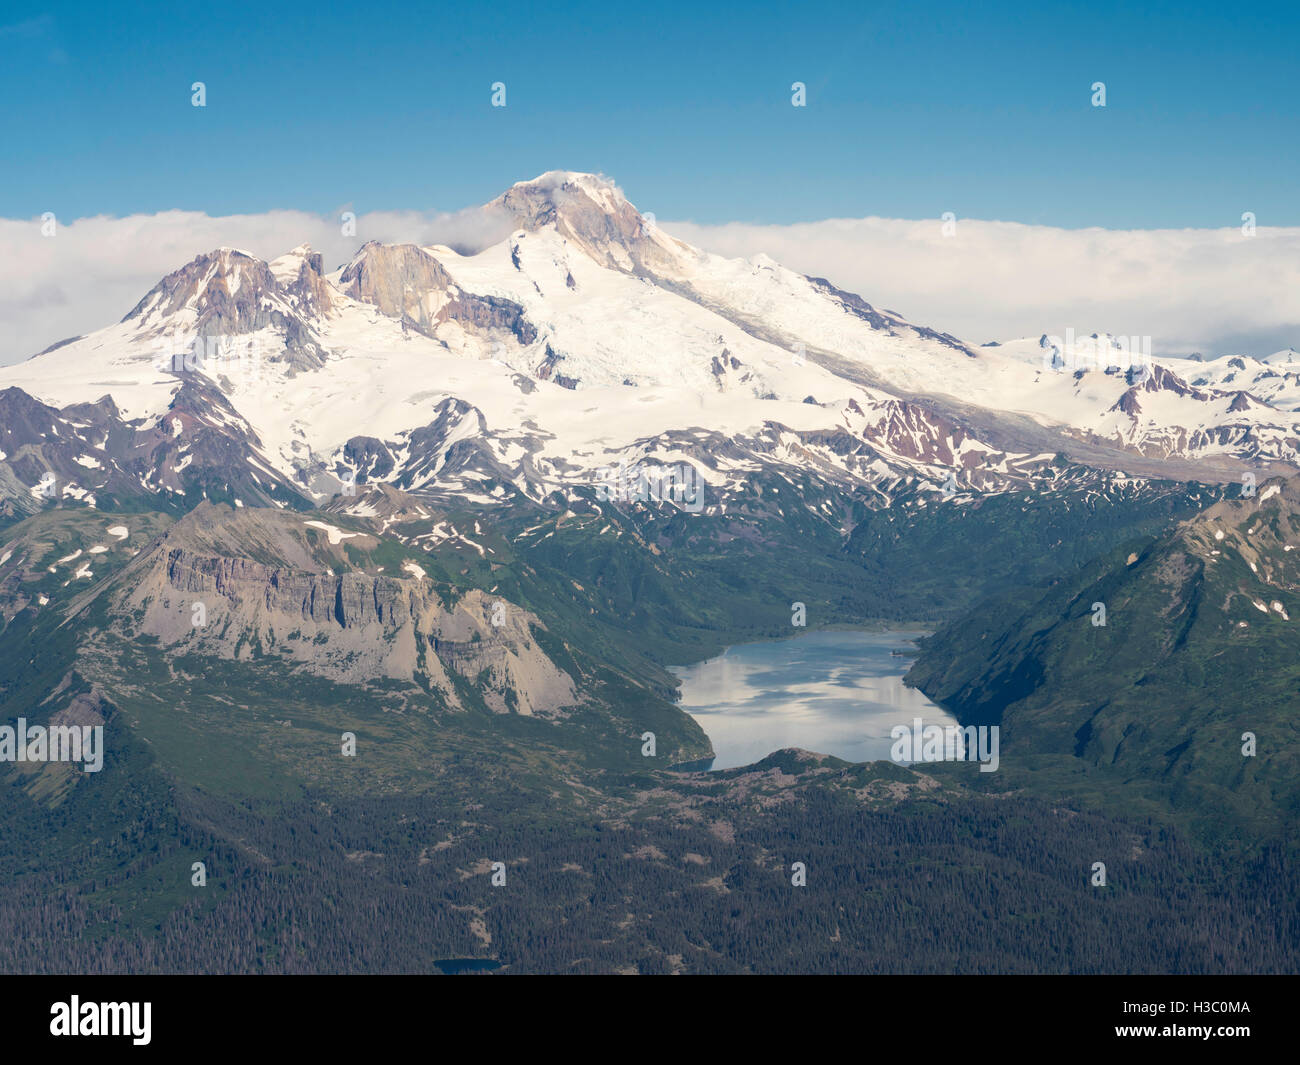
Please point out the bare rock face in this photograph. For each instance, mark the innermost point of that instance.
(242, 585)
(487, 638)
(312, 295)
(228, 293)
(85, 710)
(88, 453)
(484, 314)
(591, 212)
(406, 282)
(383, 505)
(369, 457)
(402, 280)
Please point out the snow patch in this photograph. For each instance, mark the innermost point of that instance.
(336, 535)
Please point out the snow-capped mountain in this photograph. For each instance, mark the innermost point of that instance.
(586, 339)
(1111, 389)
(1273, 379)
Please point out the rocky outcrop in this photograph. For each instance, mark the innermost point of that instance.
(402, 280)
(591, 212)
(406, 282)
(280, 597)
(232, 294)
(368, 457)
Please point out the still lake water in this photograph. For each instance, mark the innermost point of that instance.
(831, 692)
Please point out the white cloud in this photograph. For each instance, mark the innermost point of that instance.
(94, 270)
(1206, 290)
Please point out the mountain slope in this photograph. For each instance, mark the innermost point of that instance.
(1199, 647)
(585, 338)
(418, 502)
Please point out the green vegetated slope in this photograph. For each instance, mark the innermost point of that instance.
(933, 559)
(224, 747)
(255, 702)
(680, 587)
(691, 874)
(1199, 647)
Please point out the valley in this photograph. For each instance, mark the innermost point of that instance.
(333, 558)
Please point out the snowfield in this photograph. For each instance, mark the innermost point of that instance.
(588, 337)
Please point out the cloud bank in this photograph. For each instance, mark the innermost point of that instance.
(94, 270)
(1214, 291)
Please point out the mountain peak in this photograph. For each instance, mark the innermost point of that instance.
(227, 293)
(301, 272)
(560, 197)
(212, 275)
(590, 210)
(560, 181)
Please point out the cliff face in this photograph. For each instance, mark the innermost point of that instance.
(400, 279)
(228, 294)
(353, 626)
(406, 282)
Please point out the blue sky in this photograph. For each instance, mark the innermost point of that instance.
(913, 109)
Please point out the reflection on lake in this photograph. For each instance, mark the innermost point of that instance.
(831, 692)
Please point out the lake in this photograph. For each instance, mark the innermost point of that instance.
(836, 692)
